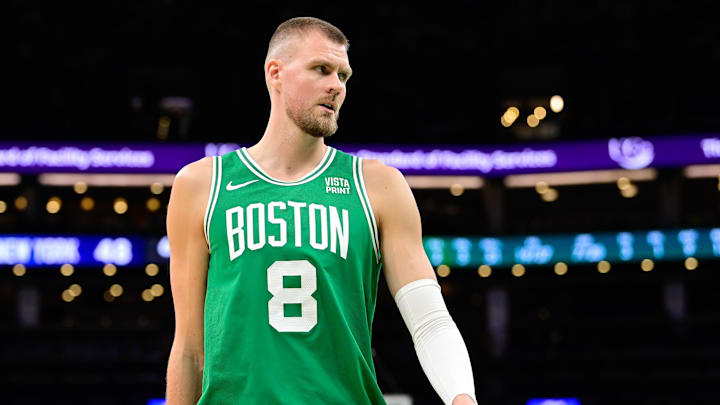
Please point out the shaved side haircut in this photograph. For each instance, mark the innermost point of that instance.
(299, 26)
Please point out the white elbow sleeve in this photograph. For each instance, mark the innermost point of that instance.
(438, 343)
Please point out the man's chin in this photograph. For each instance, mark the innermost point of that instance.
(323, 126)
(323, 131)
(321, 134)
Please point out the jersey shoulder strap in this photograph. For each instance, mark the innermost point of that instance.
(352, 165)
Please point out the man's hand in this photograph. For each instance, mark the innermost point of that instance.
(463, 399)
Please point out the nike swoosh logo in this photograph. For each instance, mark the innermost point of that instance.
(230, 186)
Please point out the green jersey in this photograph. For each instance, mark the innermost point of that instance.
(291, 285)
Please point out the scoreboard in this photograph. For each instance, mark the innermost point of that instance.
(465, 251)
(80, 250)
(532, 250)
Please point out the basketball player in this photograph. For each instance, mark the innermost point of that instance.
(276, 252)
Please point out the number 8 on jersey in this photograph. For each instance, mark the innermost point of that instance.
(282, 295)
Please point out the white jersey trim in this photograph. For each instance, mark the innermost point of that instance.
(212, 199)
(325, 162)
(369, 216)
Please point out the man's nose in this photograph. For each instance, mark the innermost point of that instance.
(335, 87)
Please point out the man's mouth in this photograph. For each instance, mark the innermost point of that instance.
(328, 107)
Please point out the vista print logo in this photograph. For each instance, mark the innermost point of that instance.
(631, 153)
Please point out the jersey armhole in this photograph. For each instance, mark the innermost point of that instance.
(367, 207)
(212, 197)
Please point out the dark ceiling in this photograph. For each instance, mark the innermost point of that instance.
(440, 73)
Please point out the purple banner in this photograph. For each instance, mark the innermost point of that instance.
(26, 157)
(615, 153)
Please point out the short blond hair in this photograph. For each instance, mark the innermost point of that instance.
(302, 26)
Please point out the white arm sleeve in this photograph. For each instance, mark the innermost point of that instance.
(438, 343)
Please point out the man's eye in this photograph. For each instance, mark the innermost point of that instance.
(320, 69)
(343, 76)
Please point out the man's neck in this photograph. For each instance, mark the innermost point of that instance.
(287, 154)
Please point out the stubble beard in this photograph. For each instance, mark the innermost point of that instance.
(320, 125)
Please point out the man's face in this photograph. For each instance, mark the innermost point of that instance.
(314, 84)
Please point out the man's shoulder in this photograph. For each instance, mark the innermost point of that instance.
(189, 195)
(197, 170)
(386, 187)
(194, 178)
(377, 172)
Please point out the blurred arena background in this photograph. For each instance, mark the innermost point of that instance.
(565, 159)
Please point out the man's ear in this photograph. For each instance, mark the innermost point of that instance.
(272, 73)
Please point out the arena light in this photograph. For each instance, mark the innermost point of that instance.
(504, 122)
(603, 266)
(446, 182)
(518, 270)
(557, 103)
(575, 178)
(75, 290)
(147, 295)
(19, 270)
(116, 290)
(109, 269)
(80, 187)
(533, 121)
(53, 205)
(157, 290)
(21, 203)
(629, 192)
(106, 179)
(67, 296)
(9, 179)
(457, 189)
(67, 269)
(550, 195)
(157, 188)
(647, 265)
(152, 269)
(702, 171)
(152, 204)
(542, 187)
(120, 205)
(87, 203)
(510, 115)
(623, 183)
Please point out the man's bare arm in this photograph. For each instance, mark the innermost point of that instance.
(403, 255)
(188, 280)
(405, 264)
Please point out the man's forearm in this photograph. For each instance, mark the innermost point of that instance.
(438, 343)
(184, 378)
